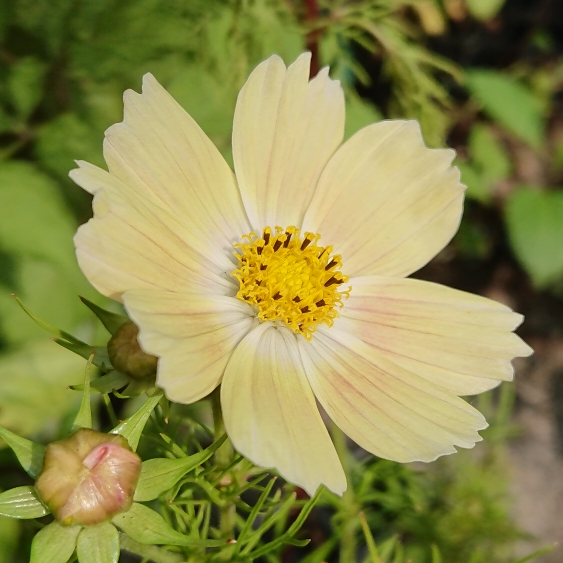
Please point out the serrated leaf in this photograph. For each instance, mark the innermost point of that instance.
(147, 527)
(22, 502)
(29, 454)
(83, 417)
(98, 544)
(160, 475)
(535, 228)
(509, 103)
(106, 383)
(112, 321)
(54, 544)
(132, 428)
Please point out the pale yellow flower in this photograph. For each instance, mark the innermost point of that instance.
(279, 316)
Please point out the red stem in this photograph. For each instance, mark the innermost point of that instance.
(312, 39)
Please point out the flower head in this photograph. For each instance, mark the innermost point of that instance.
(88, 478)
(289, 280)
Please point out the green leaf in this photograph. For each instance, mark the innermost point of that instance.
(37, 371)
(29, 454)
(373, 553)
(537, 553)
(101, 358)
(112, 321)
(132, 428)
(488, 154)
(477, 186)
(83, 418)
(149, 528)
(25, 84)
(484, 9)
(510, 103)
(160, 475)
(22, 502)
(54, 544)
(65, 139)
(535, 227)
(107, 383)
(98, 544)
(359, 114)
(50, 328)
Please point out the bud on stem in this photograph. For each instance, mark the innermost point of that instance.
(88, 478)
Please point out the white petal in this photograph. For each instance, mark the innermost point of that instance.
(459, 341)
(270, 412)
(285, 130)
(384, 408)
(193, 334)
(162, 155)
(386, 202)
(133, 243)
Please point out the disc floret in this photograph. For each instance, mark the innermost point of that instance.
(288, 277)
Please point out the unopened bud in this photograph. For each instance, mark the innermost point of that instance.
(88, 478)
(126, 355)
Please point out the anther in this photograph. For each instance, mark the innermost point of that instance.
(277, 244)
(320, 303)
(266, 237)
(277, 295)
(259, 250)
(286, 243)
(305, 310)
(332, 281)
(306, 242)
(263, 266)
(297, 299)
(331, 264)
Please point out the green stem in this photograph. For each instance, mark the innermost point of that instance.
(349, 510)
(150, 552)
(223, 457)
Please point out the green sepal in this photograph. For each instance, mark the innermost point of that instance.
(29, 454)
(101, 358)
(98, 544)
(106, 383)
(132, 428)
(22, 502)
(49, 328)
(135, 388)
(149, 528)
(160, 475)
(112, 321)
(54, 544)
(84, 416)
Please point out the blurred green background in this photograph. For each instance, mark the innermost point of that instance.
(484, 76)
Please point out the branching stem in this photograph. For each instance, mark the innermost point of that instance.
(223, 458)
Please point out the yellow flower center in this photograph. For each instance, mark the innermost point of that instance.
(290, 278)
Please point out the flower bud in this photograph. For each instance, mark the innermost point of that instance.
(88, 478)
(126, 355)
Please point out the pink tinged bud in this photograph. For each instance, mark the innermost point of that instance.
(88, 478)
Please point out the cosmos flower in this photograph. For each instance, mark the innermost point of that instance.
(287, 282)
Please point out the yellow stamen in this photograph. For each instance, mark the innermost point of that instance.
(287, 277)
